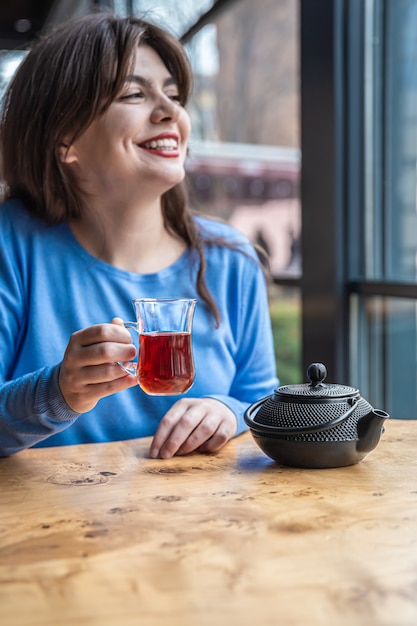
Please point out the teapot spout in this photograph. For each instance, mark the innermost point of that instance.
(370, 428)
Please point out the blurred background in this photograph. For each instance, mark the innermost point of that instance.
(304, 138)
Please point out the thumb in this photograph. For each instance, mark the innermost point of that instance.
(118, 321)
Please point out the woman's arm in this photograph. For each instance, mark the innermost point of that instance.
(32, 408)
(38, 405)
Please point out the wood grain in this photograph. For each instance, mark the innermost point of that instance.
(103, 535)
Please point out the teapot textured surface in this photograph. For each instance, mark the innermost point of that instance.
(315, 424)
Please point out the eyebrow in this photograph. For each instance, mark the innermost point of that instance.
(141, 80)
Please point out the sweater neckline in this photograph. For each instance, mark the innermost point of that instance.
(99, 264)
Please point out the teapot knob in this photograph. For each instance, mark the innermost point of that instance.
(316, 372)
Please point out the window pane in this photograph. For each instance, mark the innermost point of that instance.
(176, 18)
(388, 225)
(285, 308)
(9, 61)
(244, 157)
(401, 140)
(384, 349)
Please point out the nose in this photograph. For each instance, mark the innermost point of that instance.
(165, 109)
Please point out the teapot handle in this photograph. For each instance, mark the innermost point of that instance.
(303, 429)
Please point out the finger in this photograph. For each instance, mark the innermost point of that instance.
(96, 374)
(86, 398)
(201, 435)
(175, 427)
(101, 333)
(118, 321)
(214, 431)
(99, 353)
(216, 442)
(192, 431)
(110, 387)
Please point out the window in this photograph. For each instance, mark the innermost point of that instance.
(383, 224)
(358, 189)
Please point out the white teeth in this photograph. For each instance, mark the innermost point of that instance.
(161, 144)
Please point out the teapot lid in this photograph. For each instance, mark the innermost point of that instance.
(316, 388)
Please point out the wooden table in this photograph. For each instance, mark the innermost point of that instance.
(103, 535)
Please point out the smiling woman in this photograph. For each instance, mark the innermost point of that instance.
(121, 150)
(96, 69)
(94, 138)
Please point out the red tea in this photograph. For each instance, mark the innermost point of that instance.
(166, 365)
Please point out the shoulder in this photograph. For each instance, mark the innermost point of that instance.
(227, 246)
(8, 208)
(224, 237)
(23, 233)
(213, 227)
(15, 218)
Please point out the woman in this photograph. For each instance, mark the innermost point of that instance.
(94, 138)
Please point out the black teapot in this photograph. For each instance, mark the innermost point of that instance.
(316, 424)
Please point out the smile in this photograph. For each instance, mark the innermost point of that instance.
(160, 144)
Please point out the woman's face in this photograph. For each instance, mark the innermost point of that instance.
(140, 142)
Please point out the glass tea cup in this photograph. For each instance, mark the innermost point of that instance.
(165, 364)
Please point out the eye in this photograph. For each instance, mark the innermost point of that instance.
(132, 95)
(175, 97)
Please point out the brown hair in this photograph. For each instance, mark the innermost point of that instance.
(69, 77)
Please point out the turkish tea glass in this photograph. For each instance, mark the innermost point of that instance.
(165, 364)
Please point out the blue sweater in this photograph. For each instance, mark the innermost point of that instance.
(51, 287)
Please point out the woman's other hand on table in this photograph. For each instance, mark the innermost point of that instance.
(193, 424)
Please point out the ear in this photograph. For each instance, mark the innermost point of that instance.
(67, 153)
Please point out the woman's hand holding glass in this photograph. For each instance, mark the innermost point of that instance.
(90, 371)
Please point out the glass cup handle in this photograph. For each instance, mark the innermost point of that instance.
(130, 366)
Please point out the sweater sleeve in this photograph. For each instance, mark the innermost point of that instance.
(31, 405)
(32, 408)
(255, 376)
